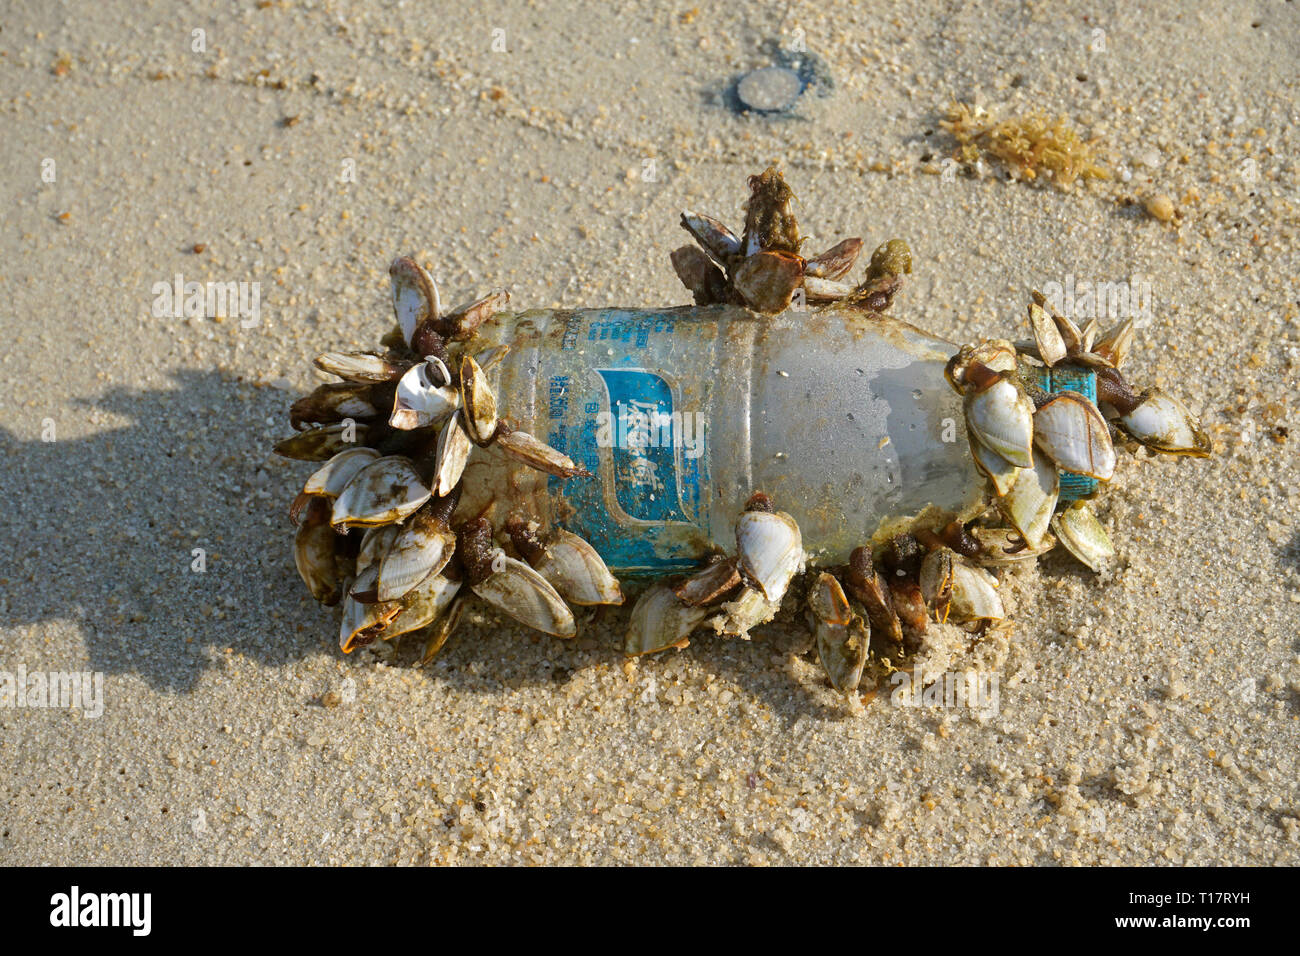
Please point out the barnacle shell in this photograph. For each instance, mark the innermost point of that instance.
(1032, 498)
(1088, 335)
(477, 401)
(1001, 417)
(375, 543)
(825, 290)
(363, 588)
(363, 623)
(767, 280)
(528, 597)
(710, 584)
(577, 571)
(993, 466)
(842, 636)
(1072, 432)
(997, 354)
(490, 358)
(415, 295)
(827, 601)
(770, 551)
(698, 273)
(436, 634)
(454, 447)
(313, 554)
(334, 402)
(1051, 347)
(364, 366)
(1083, 536)
(421, 548)
(871, 589)
(909, 603)
(464, 321)
(835, 261)
(1069, 333)
(936, 577)
(1115, 344)
(974, 594)
(322, 444)
(386, 490)
(419, 403)
(422, 605)
(770, 222)
(1161, 422)
(523, 447)
(714, 238)
(660, 621)
(330, 479)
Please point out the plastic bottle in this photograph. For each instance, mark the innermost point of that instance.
(844, 418)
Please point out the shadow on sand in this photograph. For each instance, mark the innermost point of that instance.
(101, 531)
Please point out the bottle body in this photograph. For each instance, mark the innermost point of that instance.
(844, 419)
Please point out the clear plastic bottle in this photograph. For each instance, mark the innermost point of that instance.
(843, 417)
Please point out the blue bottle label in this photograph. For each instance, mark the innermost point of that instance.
(647, 508)
(1063, 378)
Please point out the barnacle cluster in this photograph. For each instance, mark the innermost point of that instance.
(378, 528)
(763, 269)
(376, 523)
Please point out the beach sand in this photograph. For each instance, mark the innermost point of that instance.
(1147, 715)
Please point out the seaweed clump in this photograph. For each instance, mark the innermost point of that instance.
(1029, 147)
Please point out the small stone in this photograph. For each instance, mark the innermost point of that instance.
(784, 839)
(769, 90)
(1160, 207)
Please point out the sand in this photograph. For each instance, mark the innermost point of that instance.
(1149, 715)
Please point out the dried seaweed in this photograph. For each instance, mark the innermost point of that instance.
(1030, 147)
